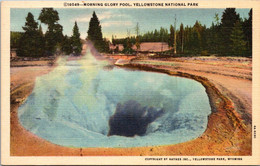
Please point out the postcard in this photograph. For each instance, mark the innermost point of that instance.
(130, 82)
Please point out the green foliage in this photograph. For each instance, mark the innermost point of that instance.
(95, 34)
(171, 37)
(41, 41)
(66, 45)
(161, 35)
(54, 35)
(204, 53)
(221, 38)
(94, 31)
(49, 16)
(247, 29)
(137, 39)
(128, 43)
(213, 39)
(230, 37)
(29, 45)
(228, 20)
(75, 39)
(217, 19)
(15, 39)
(237, 38)
(72, 44)
(181, 38)
(113, 40)
(106, 45)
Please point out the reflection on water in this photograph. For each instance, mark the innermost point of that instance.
(80, 103)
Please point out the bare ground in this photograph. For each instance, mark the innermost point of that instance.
(228, 84)
(233, 77)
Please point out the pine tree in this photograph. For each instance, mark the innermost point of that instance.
(76, 43)
(113, 40)
(216, 19)
(181, 37)
(29, 45)
(95, 32)
(156, 36)
(198, 35)
(106, 45)
(247, 28)
(54, 35)
(229, 18)
(15, 39)
(66, 45)
(137, 40)
(41, 41)
(212, 39)
(238, 46)
(171, 36)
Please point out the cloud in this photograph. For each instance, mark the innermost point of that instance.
(84, 18)
(101, 16)
(116, 23)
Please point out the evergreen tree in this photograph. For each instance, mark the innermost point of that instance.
(54, 35)
(213, 39)
(247, 28)
(29, 45)
(76, 43)
(163, 36)
(187, 39)
(213, 36)
(128, 46)
(49, 16)
(217, 19)
(156, 36)
(137, 39)
(15, 39)
(106, 45)
(221, 38)
(171, 37)
(237, 37)
(41, 41)
(229, 18)
(95, 32)
(40, 30)
(113, 40)
(181, 36)
(198, 36)
(66, 45)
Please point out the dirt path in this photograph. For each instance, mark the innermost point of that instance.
(228, 131)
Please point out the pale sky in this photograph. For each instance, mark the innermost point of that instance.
(118, 21)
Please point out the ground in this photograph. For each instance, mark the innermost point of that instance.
(228, 82)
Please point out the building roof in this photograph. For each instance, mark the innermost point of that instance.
(120, 47)
(153, 47)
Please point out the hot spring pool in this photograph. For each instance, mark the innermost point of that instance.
(79, 104)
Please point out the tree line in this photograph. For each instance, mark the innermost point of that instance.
(34, 43)
(228, 36)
